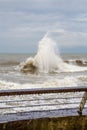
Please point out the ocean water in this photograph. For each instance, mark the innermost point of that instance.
(46, 68)
(11, 76)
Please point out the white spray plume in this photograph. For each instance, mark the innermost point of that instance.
(48, 59)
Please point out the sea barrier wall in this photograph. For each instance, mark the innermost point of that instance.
(59, 123)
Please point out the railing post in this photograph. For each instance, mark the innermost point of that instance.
(82, 103)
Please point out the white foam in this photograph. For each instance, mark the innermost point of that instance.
(66, 82)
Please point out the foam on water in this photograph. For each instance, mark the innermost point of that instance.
(67, 81)
(48, 60)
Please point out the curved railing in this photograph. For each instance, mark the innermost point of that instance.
(25, 104)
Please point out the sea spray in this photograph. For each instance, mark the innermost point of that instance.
(48, 60)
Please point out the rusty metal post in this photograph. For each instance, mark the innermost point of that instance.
(82, 103)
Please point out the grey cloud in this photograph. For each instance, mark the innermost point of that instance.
(24, 22)
(44, 5)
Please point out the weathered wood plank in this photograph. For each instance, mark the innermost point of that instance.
(82, 103)
(39, 114)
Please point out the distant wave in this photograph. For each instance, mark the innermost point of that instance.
(9, 63)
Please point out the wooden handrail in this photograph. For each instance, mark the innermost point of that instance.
(42, 91)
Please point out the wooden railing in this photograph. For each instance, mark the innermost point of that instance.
(42, 90)
(25, 104)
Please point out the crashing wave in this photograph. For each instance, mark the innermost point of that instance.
(28, 66)
(48, 60)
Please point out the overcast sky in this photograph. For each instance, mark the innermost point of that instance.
(24, 22)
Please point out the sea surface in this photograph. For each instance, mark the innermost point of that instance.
(11, 76)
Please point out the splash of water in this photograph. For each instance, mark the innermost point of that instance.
(48, 60)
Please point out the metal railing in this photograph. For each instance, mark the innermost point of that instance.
(23, 104)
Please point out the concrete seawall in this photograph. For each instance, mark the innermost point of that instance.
(61, 123)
